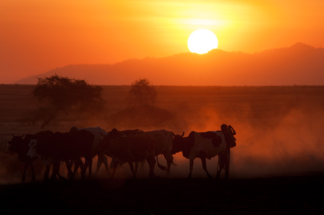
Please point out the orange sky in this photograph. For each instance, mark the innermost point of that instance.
(38, 35)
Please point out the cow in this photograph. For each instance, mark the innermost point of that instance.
(64, 147)
(98, 134)
(21, 146)
(199, 145)
(163, 143)
(128, 147)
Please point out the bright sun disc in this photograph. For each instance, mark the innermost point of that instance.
(202, 41)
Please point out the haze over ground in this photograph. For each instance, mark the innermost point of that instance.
(38, 36)
(279, 129)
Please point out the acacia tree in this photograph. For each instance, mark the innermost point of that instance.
(61, 95)
(141, 93)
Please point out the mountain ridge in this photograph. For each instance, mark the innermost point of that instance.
(299, 64)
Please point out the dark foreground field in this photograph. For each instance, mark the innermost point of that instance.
(273, 195)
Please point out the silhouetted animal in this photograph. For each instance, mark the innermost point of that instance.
(128, 147)
(21, 146)
(64, 147)
(163, 143)
(98, 134)
(199, 145)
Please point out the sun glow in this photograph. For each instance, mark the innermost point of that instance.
(202, 41)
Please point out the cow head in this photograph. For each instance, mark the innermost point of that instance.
(74, 129)
(178, 143)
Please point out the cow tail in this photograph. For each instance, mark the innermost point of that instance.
(159, 165)
(172, 161)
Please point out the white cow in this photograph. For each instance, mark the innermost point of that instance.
(200, 145)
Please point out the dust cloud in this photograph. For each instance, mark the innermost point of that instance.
(286, 139)
(283, 144)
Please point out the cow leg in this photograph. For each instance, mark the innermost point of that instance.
(58, 171)
(23, 178)
(55, 171)
(33, 171)
(69, 168)
(83, 169)
(227, 164)
(105, 161)
(151, 161)
(88, 162)
(77, 164)
(46, 173)
(219, 170)
(114, 167)
(132, 169)
(168, 157)
(136, 167)
(221, 163)
(102, 159)
(223, 160)
(191, 167)
(203, 161)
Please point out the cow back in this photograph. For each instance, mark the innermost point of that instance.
(208, 144)
(162, 141)
(66, 146)
(131, 148)
(98, 133)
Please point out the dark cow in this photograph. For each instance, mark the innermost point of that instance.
(199, 145)
(21, 146)
(128, 147)
(64, 147)
(163, 143)
(98, 134)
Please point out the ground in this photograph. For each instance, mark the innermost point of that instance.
(272, 195)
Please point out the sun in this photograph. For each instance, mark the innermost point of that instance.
(202, 41)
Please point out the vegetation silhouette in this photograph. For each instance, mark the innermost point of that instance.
(141, 111)
(142, 93)
(61, 96)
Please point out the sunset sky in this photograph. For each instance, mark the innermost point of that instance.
(37, 35)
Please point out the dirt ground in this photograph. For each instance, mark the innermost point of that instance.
(272, 195)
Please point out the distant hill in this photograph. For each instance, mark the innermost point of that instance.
(299, 64)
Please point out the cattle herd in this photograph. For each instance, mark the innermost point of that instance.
(128, 146)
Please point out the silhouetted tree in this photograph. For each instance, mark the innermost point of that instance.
(61, 95)
(141, 93)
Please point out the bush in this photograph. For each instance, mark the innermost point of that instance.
(61, 96)
(141, 93)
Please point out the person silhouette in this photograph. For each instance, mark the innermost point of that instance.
(229, 133)
(224, 158)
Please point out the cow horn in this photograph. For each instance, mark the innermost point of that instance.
(182, 134)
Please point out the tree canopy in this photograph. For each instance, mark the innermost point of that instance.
(141, 93)
(62, 95)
